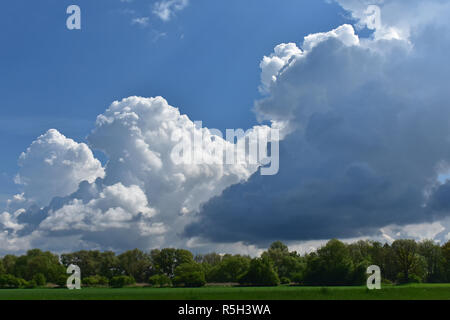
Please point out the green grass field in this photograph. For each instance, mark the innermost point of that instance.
(407, 292)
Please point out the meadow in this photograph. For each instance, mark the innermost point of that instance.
(404, 292)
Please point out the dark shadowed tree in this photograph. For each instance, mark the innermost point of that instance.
(331, 265)
(260, 273)
(446, 255)
(166, 260)
(288, 265)
(109, 265)
(9, 263)
(432, 253)
(136, 264)
(388, 263)
(2, 268)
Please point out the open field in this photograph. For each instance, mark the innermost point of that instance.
(407, 292)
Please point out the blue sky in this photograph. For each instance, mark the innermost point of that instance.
(205, 61)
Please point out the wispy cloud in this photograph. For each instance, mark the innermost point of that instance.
(142, 21)
(166, 9)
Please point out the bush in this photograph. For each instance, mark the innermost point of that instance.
(61, 280)
(297, 277)
(160, 280)
(359, 275)
(95, 281)
(31, 284)
(260, 273)
(24, 283)
(39, 279)
(8, 281)
(413, 278)
(121, 281)
(285, 280)
(189, 275)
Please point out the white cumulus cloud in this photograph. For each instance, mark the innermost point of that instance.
(53, 166)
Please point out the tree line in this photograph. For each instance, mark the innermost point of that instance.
(335, 263)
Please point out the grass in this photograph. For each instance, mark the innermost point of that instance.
(406, 292)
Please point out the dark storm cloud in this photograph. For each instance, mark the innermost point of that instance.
(371, 129)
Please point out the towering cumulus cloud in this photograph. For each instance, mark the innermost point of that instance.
(369, 132)
(142, 198)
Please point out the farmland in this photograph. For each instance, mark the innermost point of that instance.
(404, 292)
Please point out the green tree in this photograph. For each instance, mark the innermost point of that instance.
(361, 252)
(2, 267)
(109, 265)
(9, 263)
(276, 253)
(388, 263)
(165, 261)
(39, 279)
(260, 273)
(8, 281)
(446, 260)
(97, 280)
(160, 280)
(88, 261)
(93, 263)
(229, 269)
(432, 253)
(135, 263)
(286, 264)
(36, 261)
(405, 252)
(121, 281)
(189, 275)
(331, 265)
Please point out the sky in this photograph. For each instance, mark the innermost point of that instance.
(204, 60)
(359, 92)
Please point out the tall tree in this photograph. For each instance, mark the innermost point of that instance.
(286, 264)
(189, 275)
(9, 263)
(331, 265)
(166, 260)
(93, 263)
(88, 261)
(135, 263)
(432, 253)
(2, 268)
(36, 262)
(229, 269)
(260, 273)
(446, 255)
(405, 251)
